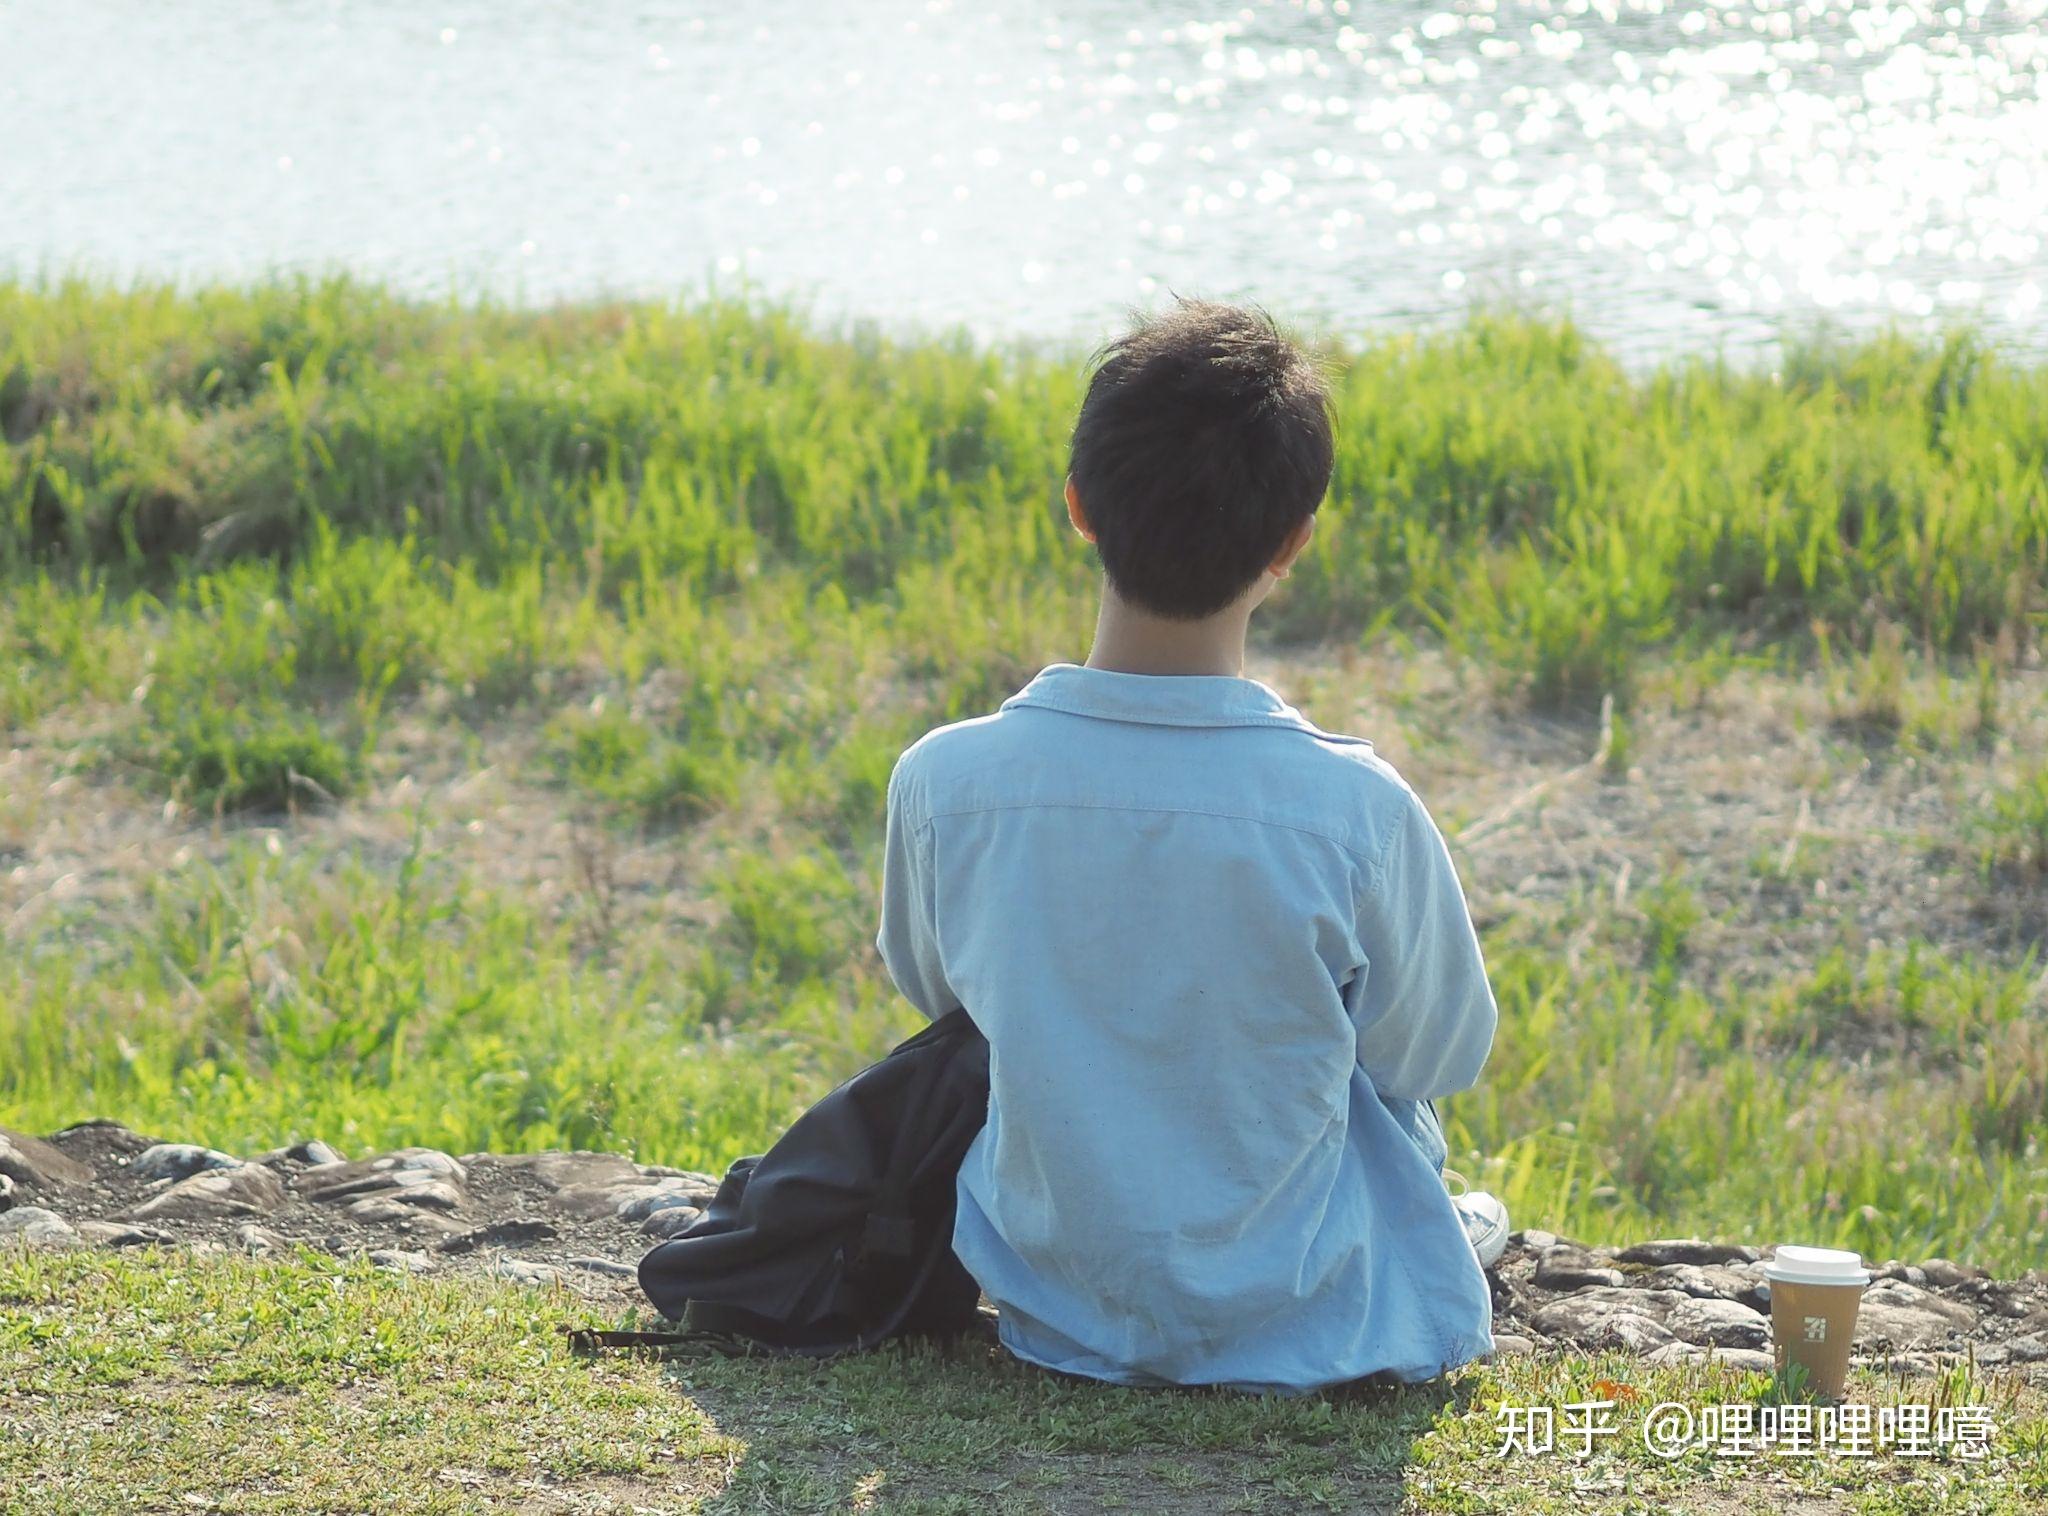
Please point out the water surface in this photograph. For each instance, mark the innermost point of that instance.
(1680, 175)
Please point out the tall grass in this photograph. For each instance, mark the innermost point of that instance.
(1506, 482)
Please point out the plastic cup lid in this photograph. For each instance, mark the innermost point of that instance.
(1803, 1265)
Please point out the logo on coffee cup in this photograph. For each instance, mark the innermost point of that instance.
(1816, 1328)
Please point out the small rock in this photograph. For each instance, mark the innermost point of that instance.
(257, 1241)
(119, 1234)
(1532, 1241)
(1738, 1282)
(1713, 1322)
(244, 1190)
(638, 1206)
(36, 1167)
(100, 1136)
(607, 1266)
(312, 1155)
(179, 1160)
(379, 1210)
(1993, 1295)
(2029, 1349)
(1638, 1298)
(672, 1222)
(1687, 1250)
(431, 1160)
(1633, 1334)
(1605, 1317)
(400, 1261)
(1570, 1267)
(1674, 1352)
(706, 1184)
(1908, 1317)
(6, 1192)
(32, 1223)
(1897, 1293)
(402, 1169)
(392, 1211)
(632, 1200)
(423, 1192)
(519, 1271)
(1947, 1275)
(1508, 1345)
(1910, 1273)
(500, 1234)
(1614, 1330)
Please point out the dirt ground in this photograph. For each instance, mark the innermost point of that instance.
(1794, 826)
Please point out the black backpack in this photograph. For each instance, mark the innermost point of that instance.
(841, 1234)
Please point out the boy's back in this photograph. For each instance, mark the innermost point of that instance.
(1217, 954)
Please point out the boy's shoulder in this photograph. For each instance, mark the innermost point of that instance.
(1359, 785)
(1381, 787)
(943, 748)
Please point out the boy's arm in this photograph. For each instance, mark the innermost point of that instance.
(908, 939)
(1424, 1011)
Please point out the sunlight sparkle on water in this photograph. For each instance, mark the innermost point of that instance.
(1680, 173)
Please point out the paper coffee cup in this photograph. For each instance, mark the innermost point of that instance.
(1814, 1296)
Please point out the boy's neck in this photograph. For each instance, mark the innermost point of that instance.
(1131, 641)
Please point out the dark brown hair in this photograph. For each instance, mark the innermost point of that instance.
(1204, 438)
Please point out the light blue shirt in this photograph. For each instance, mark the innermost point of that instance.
(1219, 955)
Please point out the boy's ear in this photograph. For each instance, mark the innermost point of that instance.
(1074, 512)
(1292, 547)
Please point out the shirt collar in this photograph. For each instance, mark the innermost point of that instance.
(1160, 699)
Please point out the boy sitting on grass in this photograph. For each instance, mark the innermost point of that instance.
(1221, 956)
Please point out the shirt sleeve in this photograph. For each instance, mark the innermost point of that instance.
(908, 939)
(1424, 1011)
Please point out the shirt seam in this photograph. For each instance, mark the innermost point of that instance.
(1146, 718)
(1171, 810)
(921, 864)
(1379, 863)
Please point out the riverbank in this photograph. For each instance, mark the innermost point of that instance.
(502, 767)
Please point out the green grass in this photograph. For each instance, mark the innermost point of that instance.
(695, 576)
(2013, 828)
(266, 1002)
(708, 570)
(1506, 482)
(149, 1380)
(247, 755)
(656, 777)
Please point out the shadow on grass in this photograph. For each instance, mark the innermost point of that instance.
(963, 1426)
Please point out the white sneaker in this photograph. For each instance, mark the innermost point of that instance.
(1484, 1217)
